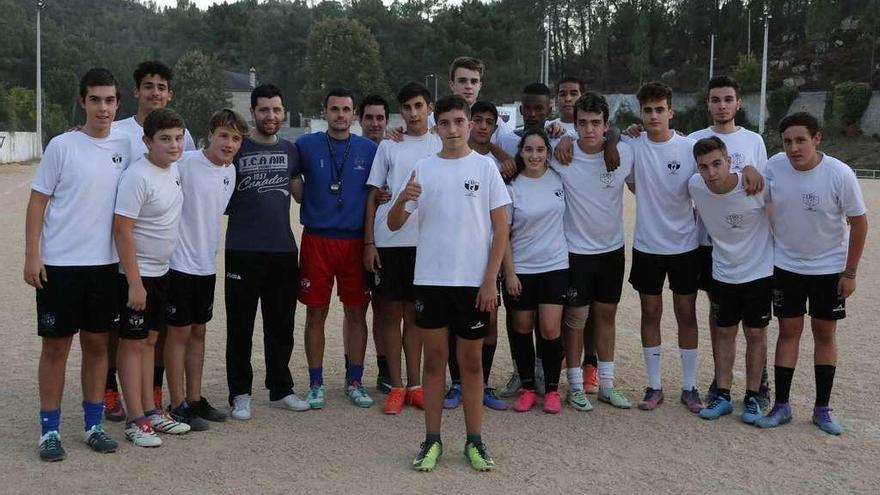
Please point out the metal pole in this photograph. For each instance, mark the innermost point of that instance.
(434, 76)
(711, 56)
(749, 35)
(39, 84)
(547, 57)
(761, 117)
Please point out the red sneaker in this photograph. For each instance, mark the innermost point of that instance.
(591, 379)
(394, 401)
(415, 397)
(113, 410)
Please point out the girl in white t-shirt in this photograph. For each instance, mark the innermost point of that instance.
(536, 268)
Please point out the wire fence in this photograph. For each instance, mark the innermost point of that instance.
(867, 173)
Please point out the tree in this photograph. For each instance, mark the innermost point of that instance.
(342, 53)
(200, 90)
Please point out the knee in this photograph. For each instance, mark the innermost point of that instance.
(471, 364)
(823, 337)
(198, 333)
(55, 350)
(575, 317)
(435, 360)
(756, 335)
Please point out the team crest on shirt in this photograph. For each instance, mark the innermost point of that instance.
(47, 321)
(471, 186)
(735, 220)
(117, 160)
(811, 201)
(359, 165)
(177, 181)
(559, 193)
(737, 161)
(225, 184)
(607, 179)
(674, 166)
(136, 322)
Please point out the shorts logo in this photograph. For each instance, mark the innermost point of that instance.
(136, 322)
(478, 325)
(420, 306)
(811, 201)
(233, 276)
(377, 278)
(471, 186)
(170, 310)
(571, 294)
(777, 297)
(607, 179)
(559, 193)
(47, 321)
(674, 166)
(211, 307)
(735, 220)
(305, 284)
(838, 309)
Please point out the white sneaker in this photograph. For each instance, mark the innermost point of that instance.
(164, 423)
(513, 387)
(292, 402)
(142, 435)
(241, 407)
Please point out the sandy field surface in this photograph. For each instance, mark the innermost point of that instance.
(343, 449)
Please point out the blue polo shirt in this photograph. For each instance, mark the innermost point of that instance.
(326, 210)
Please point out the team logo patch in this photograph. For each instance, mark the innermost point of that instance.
(559, 193)
(674, 166)
(572, 294)
(737, 161)
(136, 322)
(607, 179)
(811, 201)
(420, 306)
(117, 159)
(471, 186)
(477, 325)
(226, 183)
(233, 276)
(170, 310)
(777, 297)
(47, 321)
(735, 220)
(177, 181)
(359, 165)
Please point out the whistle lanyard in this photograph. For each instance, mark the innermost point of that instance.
(338, 166)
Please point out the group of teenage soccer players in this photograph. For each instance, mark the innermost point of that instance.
(431, 224)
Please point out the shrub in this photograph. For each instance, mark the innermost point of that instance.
(849, 100)
(778, 102)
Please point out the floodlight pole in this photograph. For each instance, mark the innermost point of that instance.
(761, 116)
(39, 83)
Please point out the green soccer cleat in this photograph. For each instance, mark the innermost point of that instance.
(429, 454)
(478, 456)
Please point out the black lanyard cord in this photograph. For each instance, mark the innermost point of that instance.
(338, 166)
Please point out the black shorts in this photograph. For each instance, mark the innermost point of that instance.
(136, 325)
(77, 298)
(394, 281)
(748, 302)
(704, 257)
(791, 291)
(595, 277)
(190, 299)
(537, 289)
(452, 307)
(649, 271)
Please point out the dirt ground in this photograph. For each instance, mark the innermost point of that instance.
(343, 449)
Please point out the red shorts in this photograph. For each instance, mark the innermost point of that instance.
(322, 259)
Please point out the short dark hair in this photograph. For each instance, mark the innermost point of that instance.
(800, 119)
(483, 106)
(722, 82)
(518, 159)
(539, 89)
(592, 102)
(653, 91)
(707, 145)
(339, 93)
(369, 101)
(161, 119)
(469, 63)
(265, 91)
(97, 77)
(152, 67)
(450, 103)
(230, 119)
(412, 90)
(571, 79)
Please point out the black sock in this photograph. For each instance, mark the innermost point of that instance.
(765, 379)
(488, 357)
(346, 367)
(539, 341)
(824, 382)
(591, 359)
(158, 376)
(714, 385)
(111, 380)
(525, 359)
(751, 393)
(382, 364)
(453, 361)
(552, 361)
(723, 393)
(432, 437)
(783, 377)
(474, 439)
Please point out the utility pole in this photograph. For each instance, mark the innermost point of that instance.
(761, 116)
(711, 56)
(39, 83)
(547, 53)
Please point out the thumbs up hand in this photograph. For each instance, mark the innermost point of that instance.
(413, 188)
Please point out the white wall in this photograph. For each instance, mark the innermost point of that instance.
(18, 147)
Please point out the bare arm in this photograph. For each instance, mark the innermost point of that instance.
(508, 166)
(487, 297)
(123, 234)
(371, 255)
(858, 232)
(511, 281)
(34, 271)
(296, 188)
(753, 181)
(398, 214)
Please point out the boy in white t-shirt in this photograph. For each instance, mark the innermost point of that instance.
(147, 214)
(463, 233)
(207, 179)
(70, 259)
(819, 227)
(391, 256)
(742, 266)
(665, 241)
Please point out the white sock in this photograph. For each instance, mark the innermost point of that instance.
(652, 366)
(575, 378)
(606, 375)
(688, 368)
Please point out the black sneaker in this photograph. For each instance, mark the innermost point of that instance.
(383, 384)
(50, 447)
(203, 409)
(712, 393)
(185, 414)
(100, 441)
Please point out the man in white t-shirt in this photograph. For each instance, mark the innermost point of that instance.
(819, 227)
(463, 232)
(568, 90)
(391, 256)
(71, 261)
(747, 157)
(208, 179)
(742, 266)
(147, 213)
(665, 240)
(594, 232)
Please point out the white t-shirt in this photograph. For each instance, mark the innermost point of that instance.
(537, 238)
(745, 148)
(594, 200)
(455, 226)
(153, 197)
(568, 126)
(206, 192)
(809, 214)
(501, 128)
(664, 213)
(740, 229)
(392, 166)
(79, 173)
(135, 133)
